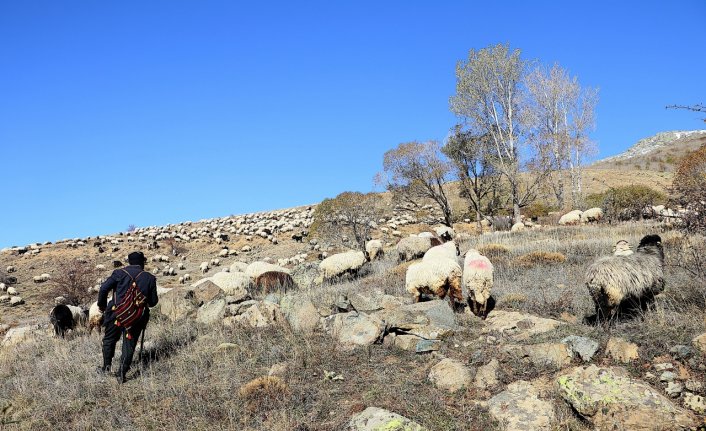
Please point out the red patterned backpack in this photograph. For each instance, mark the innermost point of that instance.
(131, 308)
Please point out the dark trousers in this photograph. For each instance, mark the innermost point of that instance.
(110, 339)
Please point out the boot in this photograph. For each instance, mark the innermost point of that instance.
(105, 369)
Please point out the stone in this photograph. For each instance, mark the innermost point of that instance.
(431, 320)
(279, 369)
(692, 385)
(239, 308)
(301, 313)
(206, 291)
(424, 346)
(212, 311)
(16, 300)
(666, 366)
(19, 335)
(227, 347)
(377, 419)
(610, 399)
(681, 351)
(178, 303)
(356, 329)
(695, 402)
(582, 347)
(518, 326)
(674, 389)
(450, 375)
(260, 315)
(519, 408)
(700, 343)
(667, 376)
(555, 355)
(233, 284)
(622, 350)
(487, 375)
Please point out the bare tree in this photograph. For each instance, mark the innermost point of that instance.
(472, 156)
(490, 98)
(73, 279)
(350, 215)
(689, 190)
(699, 107)
(415, 172)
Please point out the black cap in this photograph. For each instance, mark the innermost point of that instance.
(136, 258)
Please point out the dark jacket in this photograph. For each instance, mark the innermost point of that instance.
(119, 281)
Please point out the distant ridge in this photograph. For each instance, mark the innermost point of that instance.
(648, 145)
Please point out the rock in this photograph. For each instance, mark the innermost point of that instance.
(19, 335)
(610, 399)
(664, 366)
(700, 342)
(696, 403)
(260, 315)
(667, 376)
(179, 303)
(356, 329)
(681, 351)
(424, 346)
(431, 320)
(16, 300)
(239, 308)
(233, 284)
(584, 347)
(519, 408)
(517, 325)
(413, 343)
(212, 311)
(301, 313)
(556, 355)
(279, 369)
(692, 385)
(674, 389)
(622, 350)
(487, 375)
(450, 375)
(377, 419)
(207, 291)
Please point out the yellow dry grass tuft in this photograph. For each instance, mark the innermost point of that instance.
(493, 250)
(540, 258)
(264, 393)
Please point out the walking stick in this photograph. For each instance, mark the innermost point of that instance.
(142, 344)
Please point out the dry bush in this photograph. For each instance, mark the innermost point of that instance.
(493, 250)
(265, 393)
(540, 258)
(73, 278)
(512, 300)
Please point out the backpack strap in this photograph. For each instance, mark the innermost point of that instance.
(128, 274)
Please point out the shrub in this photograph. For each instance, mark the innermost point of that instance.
(513, 300)
(73, 279)
(493, 250)
(627, 202)
(540, 258)
(264, 393)
(537, 209)
(689, 190)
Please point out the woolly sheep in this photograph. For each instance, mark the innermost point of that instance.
(616, 282)
(571, 218)
(65, 317)
(478, 281)
(258, 268)
(448, 250)
(41, 278)
(445, 233)
(622, 248)
(341, 264)
(438, 276)
(10, 269)
(374, 249)
(592, 215)
(273, 281)
(204, 267)
(412, 247)
(95, 318)
(215, 262)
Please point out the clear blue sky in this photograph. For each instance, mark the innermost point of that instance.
(148, 113)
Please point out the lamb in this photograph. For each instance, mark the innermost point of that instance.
(340, 265)
(412, 247)
(478, 281)
(204, 267)
(65, 317)
(95, 318)
(624, 283)
(374, 249)
(448, 250)
(622, 248)
(273, 281)
(437, 276)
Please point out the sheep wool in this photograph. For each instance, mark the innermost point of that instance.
(447, 250)
(477, 281)
(622, 248)
(258, 268)
(95, 318)
(341, 264)
(438, 276)
(374, 249)
(571, 218)
(412, 247)
(613, 281)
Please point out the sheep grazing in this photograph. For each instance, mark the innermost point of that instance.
(478, 281)
(117, 264)
(412, 247)
(447, 250)
(445, 233)
(204, 267)
(571, 218)
(65, 317)
(273, 281)
(215, 262)
(437, 276)
(627, 283)
(341, 265)
(10, 269)
(592, 215)
(95, 318)
(374, 249)
(622, 248)
(41, 278)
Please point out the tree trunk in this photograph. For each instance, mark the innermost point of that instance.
(478, 221)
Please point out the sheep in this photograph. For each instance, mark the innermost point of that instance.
(618, 283)
(204, 267)
(448, 250)
(10, 269)
(257, 268)
(65, 317)
(622, 248)
(340, 265)
(273, 281)
(374, 249)
(445, 233)
(592, 215)
(215, 262)
(438, 276)
(412, 247)
(117, 264)
(41, 278)
(478, 281)
(571, 218)
(95, 318)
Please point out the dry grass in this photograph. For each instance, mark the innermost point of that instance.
(494, 251)
(536, 258)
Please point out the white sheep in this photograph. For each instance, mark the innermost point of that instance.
(374, 249)
(95, 318)
(630, 282)
(437, 276)
(215, 262)
(445, 233)
(592, 215)
(204, 267)
(41, 278)
(412, 247)
(571, 218)
(622, 248)
(341, 264)
(448, 250)
(11, 269)
(477, 281)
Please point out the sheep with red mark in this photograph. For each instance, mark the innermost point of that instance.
(477, 281)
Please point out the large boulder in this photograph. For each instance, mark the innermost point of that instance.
(233, 284)
(622, 350)
(260, 315)
(21, 334)
(519, 408)
(555, 355)
(518, 326)
(212, 311)
(450, 375)
(356, 329)
(377, 419)
(179, 303)
(700, 343)
(610, 399)
(207, 291)
(430, 320)
(300, 312)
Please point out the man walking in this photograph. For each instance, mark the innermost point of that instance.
(120, 282)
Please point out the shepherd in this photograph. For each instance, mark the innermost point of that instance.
(127, 314)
